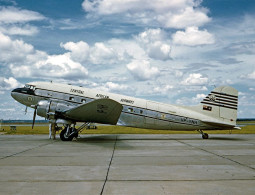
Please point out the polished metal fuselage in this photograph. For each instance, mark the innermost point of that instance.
(136, 112)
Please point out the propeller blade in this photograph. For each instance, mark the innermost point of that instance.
(26, 110)
(34, 117)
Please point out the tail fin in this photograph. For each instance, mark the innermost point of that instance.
(221, 103)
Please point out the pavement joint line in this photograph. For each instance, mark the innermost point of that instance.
(128, 180)
(222, 156)
(12, 155)
(106, 178)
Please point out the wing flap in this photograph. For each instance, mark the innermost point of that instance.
(106, 111)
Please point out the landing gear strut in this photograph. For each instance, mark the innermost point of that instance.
(204, 135)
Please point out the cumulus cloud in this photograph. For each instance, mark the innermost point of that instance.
(170, 14)
(25, 61)
(198, 98)
(13, 21)
(195, 79)
(55, 66)
(14, 50)
(184, 18)
(154, 43)
(79, 50)
(99, 53)
(141, 70)
(19, 30)
(191, 100)
(163, 89)
(251, 76)
(192, 36)
(15, 15)
(8, 83)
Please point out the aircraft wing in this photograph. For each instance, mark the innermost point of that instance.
(106, 111)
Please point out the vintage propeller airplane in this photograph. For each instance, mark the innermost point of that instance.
(66, 105)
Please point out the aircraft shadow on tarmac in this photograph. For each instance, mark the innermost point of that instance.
(100, 138)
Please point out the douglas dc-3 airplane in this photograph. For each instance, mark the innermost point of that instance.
(67, 104)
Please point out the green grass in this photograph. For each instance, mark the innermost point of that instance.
(25, 130)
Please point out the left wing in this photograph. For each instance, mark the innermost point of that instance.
(106, 111)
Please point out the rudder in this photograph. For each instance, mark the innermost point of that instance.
(222, 102)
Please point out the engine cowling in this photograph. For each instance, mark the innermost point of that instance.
(50, 109)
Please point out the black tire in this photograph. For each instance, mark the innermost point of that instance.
(63, 137)
(205, 136)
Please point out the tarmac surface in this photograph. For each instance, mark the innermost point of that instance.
(128, 164)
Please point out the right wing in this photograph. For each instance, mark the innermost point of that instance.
(105, 111)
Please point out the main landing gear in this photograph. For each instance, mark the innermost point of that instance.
(68, 133)
(204, 135)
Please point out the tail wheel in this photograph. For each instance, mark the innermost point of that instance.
(205, 136)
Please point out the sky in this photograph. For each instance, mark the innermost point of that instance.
(173, 52)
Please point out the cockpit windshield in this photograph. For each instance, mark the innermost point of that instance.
(29, 87)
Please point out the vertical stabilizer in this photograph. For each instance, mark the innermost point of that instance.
(221, 103)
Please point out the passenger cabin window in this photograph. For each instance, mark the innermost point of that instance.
(141, 111)
(130, 110)
(83, 101)
(71, 98)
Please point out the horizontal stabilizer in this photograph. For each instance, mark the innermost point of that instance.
(106, 111)
(215, 123)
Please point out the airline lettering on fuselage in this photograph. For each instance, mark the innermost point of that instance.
(189, 121)
(77, 91)
(127, 101)
(102, 96)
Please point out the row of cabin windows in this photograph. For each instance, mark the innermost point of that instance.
(82, 100)
(132, 110)
(59, 96)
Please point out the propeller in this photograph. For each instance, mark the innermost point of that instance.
(26, 110)
(35, 107)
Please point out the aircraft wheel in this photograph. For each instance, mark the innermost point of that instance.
(205, 136)
(63, 136)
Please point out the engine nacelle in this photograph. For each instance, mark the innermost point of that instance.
(48, 109)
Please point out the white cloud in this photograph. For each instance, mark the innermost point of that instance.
(24, 61)
(163, 89)
(192, 37)
(14, 50)
(198, 98)
(183, 18)
(101, 54)
(170, 14)
(155, 44)
(55, 66)
(8, 83)
(15, 15)
(141, 70)
(178, 73)
(13, 21)
(195, 79)
(251, 76)
(115, 87)
(79, 50)
(19, 30)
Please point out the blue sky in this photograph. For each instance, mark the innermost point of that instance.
(168, 51)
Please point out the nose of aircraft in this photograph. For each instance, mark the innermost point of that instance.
(14, 93)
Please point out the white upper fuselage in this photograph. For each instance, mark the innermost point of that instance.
(136, 112)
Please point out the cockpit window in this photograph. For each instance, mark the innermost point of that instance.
(29, 87)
